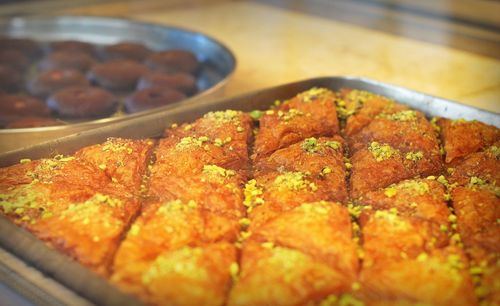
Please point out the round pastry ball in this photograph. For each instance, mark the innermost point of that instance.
(126, 50)
(10, 79)
(83, 101)
(66, 60)
(174, 60)
(180, 81)
(26, 46)
(73, 46)
(31, 122)
(48, 82)
(17, 106)
(152, 97)
(117, 74)
(14, 59)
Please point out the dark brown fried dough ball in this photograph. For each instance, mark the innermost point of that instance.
(13, 107)
(182, 82)
(126, 50)
(46, 83)
(26, 46)
(14, 59)
(152, 97)
(173, 61)
(82, 101)
(116, 75)
(10, 79)
(66, 60)
(31, 122)
(72, 46)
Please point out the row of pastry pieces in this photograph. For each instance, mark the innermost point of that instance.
(363, 212)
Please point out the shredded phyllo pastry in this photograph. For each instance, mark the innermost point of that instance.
(325, 198)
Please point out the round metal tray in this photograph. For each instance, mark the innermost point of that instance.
(218, 62)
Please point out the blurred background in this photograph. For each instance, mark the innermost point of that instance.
(448, 48)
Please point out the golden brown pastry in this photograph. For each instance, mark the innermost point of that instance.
(309, 114)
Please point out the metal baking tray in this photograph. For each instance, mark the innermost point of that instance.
(96, 290)
(218, 62)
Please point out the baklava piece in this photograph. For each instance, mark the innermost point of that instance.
(309, 114)
(461, 137)
(392, 147)
(124, 161)
(303, 256)
(357, 108)
(71, 205)
(403, 264)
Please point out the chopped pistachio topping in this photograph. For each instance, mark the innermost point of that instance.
(221, 142)
(349, 300)
(443, 228)
(134, 229)
(390, 192)
(407, 115)
(321, 208)
(269, 112)
(180, 263)
(91, 210)
(227, 116)
(354, 211)
(495, 151)
(20, 199)
(333, 144)
(441, 179)
(312, 94)
(214, 170)
(244, 235)
(414, 156)
(268, 245)
(293, 181)
(419, 187)
(310, 145)
(331, 300)
(256, 114)
(189, 142)
(239, 129)
(477, 181)
(434, 124)
(455, 262)
(244, 222)
(115, 146)
(174, 125)
(392, 218)
(25, 161)
(234, 269)
(252, 194)
(176, 205)
(459, 121)
(355, 286)
(290, 114)
(422, 257)
(476, 270)
(382, 151)
(326, 170)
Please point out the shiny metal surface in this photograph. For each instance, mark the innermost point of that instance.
(21, 243)
(218, 63)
